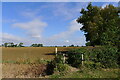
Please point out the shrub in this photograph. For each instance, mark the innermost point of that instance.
(75, 56)
(62, 67)
(56, 65)
(88, 44)
(106, 55)
(50, 68)
(58, 59)
(92, 65)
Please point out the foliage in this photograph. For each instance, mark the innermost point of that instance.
(88, 44)
(94, 73)
(101, 25)
(58, 59)
(62, 67)
(92, 65)
(105, 57)
(11, 44)
(37, 45)
(71, 45)
(64, 46)
(20, 45)
(75, 56)
(56, 65)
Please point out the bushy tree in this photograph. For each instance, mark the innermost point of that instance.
(71, 45)
(11, 44)
(37, 45)
(20, 45)
(6, 44)
(101, 25)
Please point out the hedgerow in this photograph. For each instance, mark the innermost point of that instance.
(104, 57)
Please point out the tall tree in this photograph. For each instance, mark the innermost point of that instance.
(101, 25)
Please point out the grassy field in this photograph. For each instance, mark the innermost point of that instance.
(32, 53)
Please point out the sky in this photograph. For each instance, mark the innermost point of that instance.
(49, 23)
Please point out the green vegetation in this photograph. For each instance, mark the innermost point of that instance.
(37, 45)
(90, 69)
(57, 65)
(104, 57)
(101, 25)
(96, 73)
(11, 44)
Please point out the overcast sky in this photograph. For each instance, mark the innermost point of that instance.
(50, 23)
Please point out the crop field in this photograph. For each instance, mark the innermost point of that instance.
(26, 70)
(11, 55)
(32, 53)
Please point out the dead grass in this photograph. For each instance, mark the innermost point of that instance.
(23, 70)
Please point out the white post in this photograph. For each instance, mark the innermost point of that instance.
(82, 59)
(63, 58)
(56, 51)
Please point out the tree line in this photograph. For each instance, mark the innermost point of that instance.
(11, 44)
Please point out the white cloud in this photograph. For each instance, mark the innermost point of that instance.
(33, 28)
(67, 41)
(73, 27)
(31, 14)
(67, 12)
(6, 37)
(67, 37)
(57, 9)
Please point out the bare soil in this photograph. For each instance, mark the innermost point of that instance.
(23, 70)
